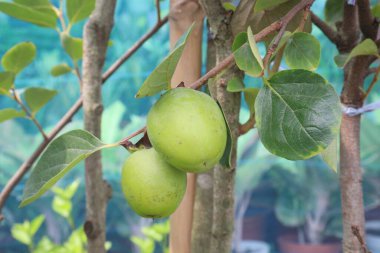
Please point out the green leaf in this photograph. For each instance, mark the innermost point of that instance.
(303, 51)
(18, 57)
(246, 61)
(333, 11)
(62, 206)
(60, 156)
(6, 82)
(161, 77)
(376, 11)
(35, 224)
(297, 114)
(330, 155)
(151, 233)
(60, 69)
(36, 98)
(262, 5)
(78, 10)
(254, 48)
(227, 155)
(21, 233)
(235, 84)
(229, 6)
(73, 46)
(41, 16)
(366, 47)
(9, 113)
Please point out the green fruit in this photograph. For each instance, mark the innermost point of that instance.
(152, 187)
(188, 129)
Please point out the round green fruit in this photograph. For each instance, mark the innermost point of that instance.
(152, 187)
(188, 129)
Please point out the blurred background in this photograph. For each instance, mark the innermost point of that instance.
(274, 197)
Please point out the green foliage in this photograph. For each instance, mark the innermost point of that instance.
(40, 13)
(24, 232)
(78, 10)
(10, 113)
(235, 84)
(333, 11)
(302, 51)
(330, 155)
(161, 76)
(18, 57)
(154, 234)
(60, 156)
(36, 98)
(72, 46)
(60, 69)
(262, 5)
(6, 82)
(297, 114)
(366, 47)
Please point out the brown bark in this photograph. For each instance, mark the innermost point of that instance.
(224, 177)
(203, 205)
(95, 41)
(182, 15)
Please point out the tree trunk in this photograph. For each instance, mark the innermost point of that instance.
(95, 41)
(224, 177)
(350, 170)
(182, 15)
(203, 205)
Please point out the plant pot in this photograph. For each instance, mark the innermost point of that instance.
(373, 235)
(251, 246)
(254, 224)
(290, 244)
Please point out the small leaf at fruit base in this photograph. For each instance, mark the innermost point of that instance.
(235, 84)
(39, 15)
(61, 155)
(78, 10)
(60, 69)
(303, 51)
(262, 5)
(330, 155)
(73, 46)
(161, 76)
(18, 57)
(6, 82)
(225, 161)
(366, 47)
(10, 113)
(297, 113)
(36, 98)
(254, 48)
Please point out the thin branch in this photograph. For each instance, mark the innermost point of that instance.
(6, 191)
(306, 13)
(372, 84)
(158, 9)
(330, 33)
(368, 23)
(29, 114)
(244, 128)
(126, 140)
(133, 49)
(356, 232)
(274, 46)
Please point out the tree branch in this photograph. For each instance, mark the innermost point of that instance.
(372, 84)
(330, 33)
(69, 115)
(244, 128)
(368, 23)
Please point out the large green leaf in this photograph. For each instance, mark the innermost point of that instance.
(78, 10)
(161, 76)
(262, 5)
(73, 46)
(39, 15)
(6, 82)
(297, 114)
(366, 47)
(36, 98)
(303, 51)
(10, 113)
(60, 69)
(330, 155)
(60, 156)
(18, 57)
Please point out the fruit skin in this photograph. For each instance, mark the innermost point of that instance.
(188, 129)
(152, 187)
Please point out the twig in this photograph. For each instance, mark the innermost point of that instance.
(126, 140)
(372, 84)
(356, 232)
(158, 9)
(306, 13)
(371, 71)
(330, 33)
(6, 191)
(368, 24)
(133, 49)
(244, 128)
(29, 114)
(273, 47)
